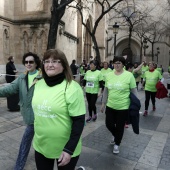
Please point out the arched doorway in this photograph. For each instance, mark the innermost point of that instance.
(128, 52)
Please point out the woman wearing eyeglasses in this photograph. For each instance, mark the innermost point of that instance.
(59, 107)
(118, 85)
(22, 85)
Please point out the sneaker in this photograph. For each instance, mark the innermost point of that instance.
(94, 118)
(126, 125)
(145, 113)
(154, 108)
(116, 149)
(89, 119)
(112, 142)
(80, 168)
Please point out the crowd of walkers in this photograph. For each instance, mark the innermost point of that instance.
(55, 120)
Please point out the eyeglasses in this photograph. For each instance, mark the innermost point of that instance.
(54, 62)
(30, 62)
(117, 63)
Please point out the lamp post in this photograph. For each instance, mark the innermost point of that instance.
(115, 31)
(145, 46)
(169, 57)
(158, 52)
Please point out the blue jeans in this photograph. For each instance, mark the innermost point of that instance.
(24, 147)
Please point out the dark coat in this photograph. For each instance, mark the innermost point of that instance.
(10, 68)
(134, 113)
(161, 91)
(73, 69)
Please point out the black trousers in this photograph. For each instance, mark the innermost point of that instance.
(115, 122)
(137, 84)
(12, 102)
(148, 95)
(91, 100)
(43, 163)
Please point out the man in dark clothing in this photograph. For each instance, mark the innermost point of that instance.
(10, 70)
(12, 101)
(74, 68)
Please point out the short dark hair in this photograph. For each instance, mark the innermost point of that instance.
(121, 59)
(129, 65)
(10, 58)
(93, 62)
(35, 56)
(73, 61)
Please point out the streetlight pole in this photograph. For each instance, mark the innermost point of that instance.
(145, 46)
(158, 52)
(169, 57)
(115, 31)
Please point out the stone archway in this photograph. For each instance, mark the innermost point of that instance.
(42, 43)
(6, 43)
(25, 42)
(133, 54)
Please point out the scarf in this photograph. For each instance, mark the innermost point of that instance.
(152, 70)
(54, 80)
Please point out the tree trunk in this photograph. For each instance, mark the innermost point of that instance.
(141, 53)
(130, 35)
(152, 51)
(56, 15)
(52, 36)
(96, 48)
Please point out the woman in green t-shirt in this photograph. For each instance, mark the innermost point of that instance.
(118, 85)
(59, 107)
(151, 78)
(93, 83)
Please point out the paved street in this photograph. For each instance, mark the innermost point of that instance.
(150, 150)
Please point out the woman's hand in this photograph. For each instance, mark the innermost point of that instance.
(64, 159)
(102, 108)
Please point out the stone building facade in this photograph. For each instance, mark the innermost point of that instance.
(24, 27)
(157, 11)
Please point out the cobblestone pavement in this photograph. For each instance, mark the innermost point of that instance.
(150, 150)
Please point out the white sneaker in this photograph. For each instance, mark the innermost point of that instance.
(112, 142)
(116, 149)
(80, 168)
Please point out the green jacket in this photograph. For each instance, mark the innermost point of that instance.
(19, 85)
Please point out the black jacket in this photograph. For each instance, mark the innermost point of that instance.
(134, 113)
(10, 68)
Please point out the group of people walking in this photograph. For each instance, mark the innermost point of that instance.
(53, 107)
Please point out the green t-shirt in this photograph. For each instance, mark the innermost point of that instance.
(31, 78)
(169, 69)
(82, 71)
(137, 75)
(53, 108)
(92, 81)
(144, 69)
(151, 79)
(159, 69)
(119, 87)
(105, 72)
